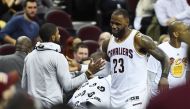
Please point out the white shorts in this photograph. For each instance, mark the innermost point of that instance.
(135, 99)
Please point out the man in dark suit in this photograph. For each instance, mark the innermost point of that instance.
(16, 61)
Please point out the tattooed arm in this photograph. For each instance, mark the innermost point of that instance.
(146, 43)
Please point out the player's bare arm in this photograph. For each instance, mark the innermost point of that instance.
(150, 47)
(104, 49)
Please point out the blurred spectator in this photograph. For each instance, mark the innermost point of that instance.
(163, 38)
(103, 36)
(81, 52)
(70, 45)
(170, 10)
(7, 87)
(46, 73)
(177, 52)
(8, 8)
(76, 41)
(177, 98)
(105, 9)
(144, 14)
(44, 6)
(22, 100)
(16, 61)
(21, 25)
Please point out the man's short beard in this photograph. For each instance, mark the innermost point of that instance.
(119, 34)
(32, 18)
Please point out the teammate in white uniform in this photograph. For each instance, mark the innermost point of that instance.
(177, 52)
(126, 53)
(95, 92)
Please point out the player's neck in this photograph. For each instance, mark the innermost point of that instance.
(175, 43)
(125, 35)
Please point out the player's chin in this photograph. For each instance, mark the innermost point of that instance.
(115, 34)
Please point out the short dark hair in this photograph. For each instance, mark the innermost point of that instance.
(24, 3)
(46, 31)
(80, 45)
(121, 11)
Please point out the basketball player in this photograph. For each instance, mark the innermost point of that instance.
(126, 55)
(179, 97)
(177, 52)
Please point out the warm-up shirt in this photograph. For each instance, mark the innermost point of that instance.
(46, 74)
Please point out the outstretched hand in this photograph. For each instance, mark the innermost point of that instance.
(163, 85)
(95, 66)
(73, 65)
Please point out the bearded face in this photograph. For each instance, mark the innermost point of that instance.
(31, 9)
(118, 25)
(118, 33)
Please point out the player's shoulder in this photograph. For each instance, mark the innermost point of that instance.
(164, 44)
(144, 41)
(18, 17)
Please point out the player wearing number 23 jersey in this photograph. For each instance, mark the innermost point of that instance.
(126, 54)
(130, 67)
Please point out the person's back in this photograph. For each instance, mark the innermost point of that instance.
(46, 73)
(16, 61)
(12, 62)
(42, 67)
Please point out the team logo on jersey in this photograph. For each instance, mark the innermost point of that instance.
(121, 51)
(100, 77)
(101, 88)
(92, 85)
(86, 83)
(177, 67)
(83, 92)
(134, 98)
(91, 94)
(97, 98)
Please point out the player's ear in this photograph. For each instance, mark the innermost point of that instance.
(175, 34)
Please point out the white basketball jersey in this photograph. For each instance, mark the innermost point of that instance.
(128, 70)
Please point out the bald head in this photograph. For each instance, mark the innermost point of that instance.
(24, 44)
(175, 26)
(103, 36)
(181, 30)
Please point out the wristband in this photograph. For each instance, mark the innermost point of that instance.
(89, 72)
